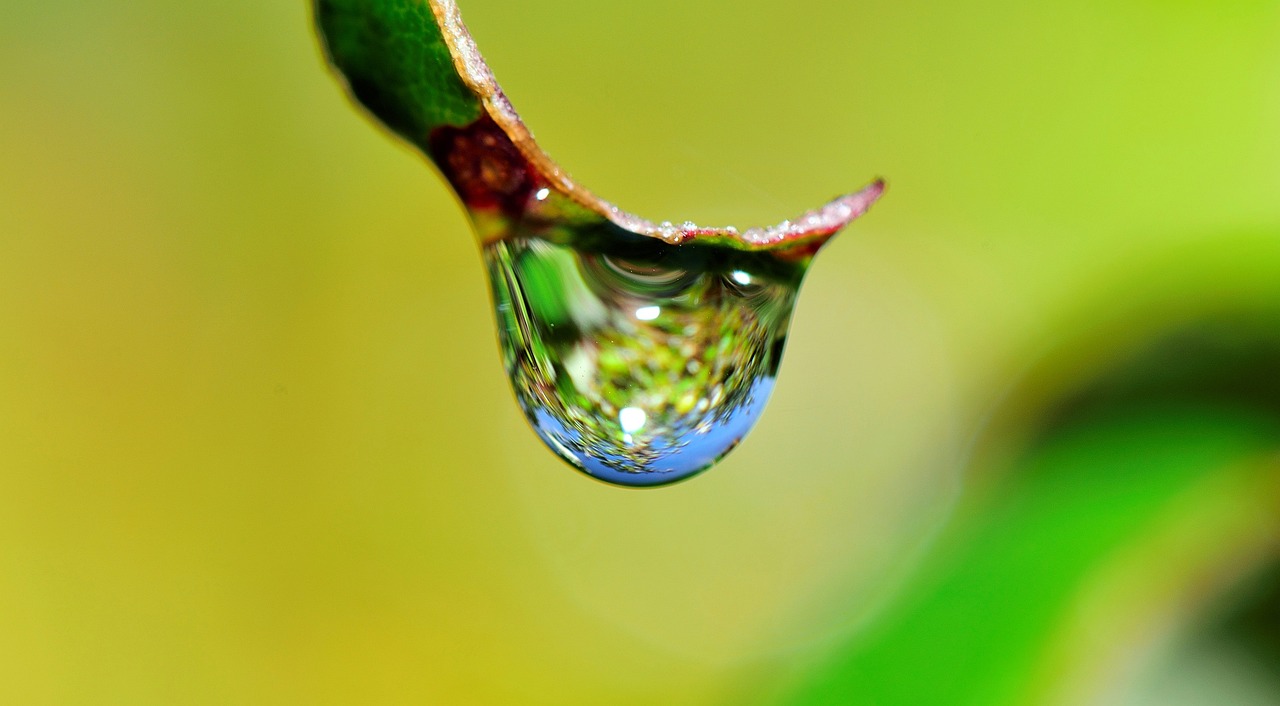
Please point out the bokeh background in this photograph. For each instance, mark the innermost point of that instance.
(256, 445)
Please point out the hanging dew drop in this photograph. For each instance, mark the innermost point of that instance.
(640, 352)
(639, 362)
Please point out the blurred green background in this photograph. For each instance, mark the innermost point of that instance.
(256, 446)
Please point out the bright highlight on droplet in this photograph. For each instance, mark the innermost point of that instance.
(632, 419)
(741, 277)
(542, 194)
(648, 313)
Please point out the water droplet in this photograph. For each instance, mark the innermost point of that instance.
(641, 352)
(640, 362)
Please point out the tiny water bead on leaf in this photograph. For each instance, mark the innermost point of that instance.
(640, 352)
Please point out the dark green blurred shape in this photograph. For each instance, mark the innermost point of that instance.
(1102, 469)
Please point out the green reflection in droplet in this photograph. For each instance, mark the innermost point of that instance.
(639, 362)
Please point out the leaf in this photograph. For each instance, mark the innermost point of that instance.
(415, 67)
(397, 64)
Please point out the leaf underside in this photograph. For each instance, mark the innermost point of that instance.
(414, 66)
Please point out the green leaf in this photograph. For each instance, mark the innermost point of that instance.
(415, 67)
(397, 64)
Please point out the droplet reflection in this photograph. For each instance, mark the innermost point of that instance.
(639, 362)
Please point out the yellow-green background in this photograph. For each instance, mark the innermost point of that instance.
(255, 444)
